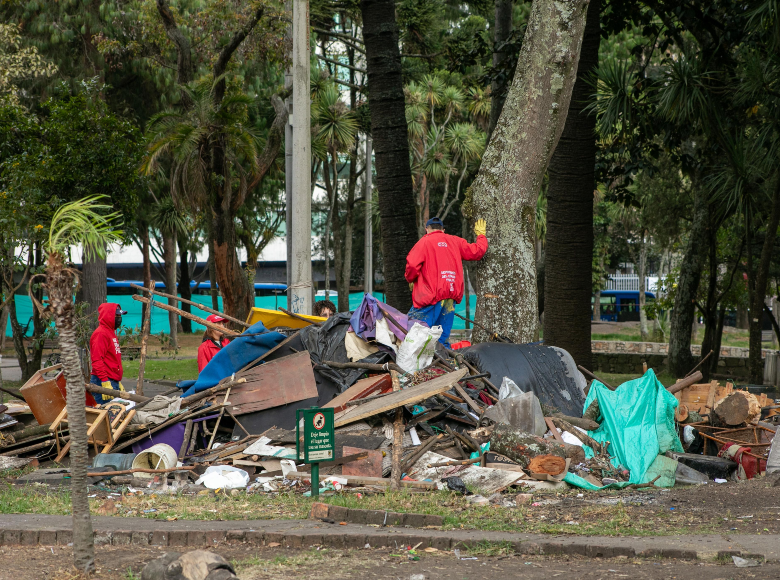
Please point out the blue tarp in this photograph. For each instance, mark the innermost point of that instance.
(637, 419)
(241, 351)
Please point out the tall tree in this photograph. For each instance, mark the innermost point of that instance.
(502, 29)
(78, 222)
(391, 146)
(569, 242)
(510, 178)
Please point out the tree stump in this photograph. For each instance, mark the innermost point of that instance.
(738, 408)
(551, 464)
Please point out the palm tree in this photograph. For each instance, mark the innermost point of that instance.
(210, 133)
(82, 222)
(336, 129)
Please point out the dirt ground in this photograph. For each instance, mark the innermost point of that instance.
(120, 563)
(748, 507)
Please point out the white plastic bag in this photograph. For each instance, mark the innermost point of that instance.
(224, 477)
(508, 389)
(416, 351)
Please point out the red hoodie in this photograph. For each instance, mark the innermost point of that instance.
(104, 346)
(435, 266)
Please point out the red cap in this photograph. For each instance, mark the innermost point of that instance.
(215, 318)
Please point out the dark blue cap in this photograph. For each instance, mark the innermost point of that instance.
(434, 221)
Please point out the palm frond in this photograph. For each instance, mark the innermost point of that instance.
(82, 222)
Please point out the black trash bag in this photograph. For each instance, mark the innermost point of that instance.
(533, 367)
(326, 342)
(456, 484)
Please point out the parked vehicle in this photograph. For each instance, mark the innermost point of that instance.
(621, 305)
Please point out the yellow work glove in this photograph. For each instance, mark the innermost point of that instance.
(107, 385)
(411, 286)
(480, 228)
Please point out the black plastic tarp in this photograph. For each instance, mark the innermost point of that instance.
(326, 343)
(539, 369)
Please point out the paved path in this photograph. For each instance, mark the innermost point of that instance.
(51, 530)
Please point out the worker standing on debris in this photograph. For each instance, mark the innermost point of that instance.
(106, 356)
(435, 268)
(213, 342)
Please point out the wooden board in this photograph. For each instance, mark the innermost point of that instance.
(371, 466)
(280, 382)
(376, 385)
(408, 396)
(701, 398)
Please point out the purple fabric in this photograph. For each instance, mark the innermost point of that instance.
(363, 319)
(173, 436)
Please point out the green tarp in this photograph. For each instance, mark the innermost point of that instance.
(637, 419)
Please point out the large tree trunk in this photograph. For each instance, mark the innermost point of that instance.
(184, 283)
(710, 311)
(237, 295)
(169, 256)
(502, 28)
(214, 291)
(680, 358)
(59, 285)
(93, 284)
(755, 362)
(568, 284)
(509, 180)
(391, 146)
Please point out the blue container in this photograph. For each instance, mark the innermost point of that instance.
(122, 461)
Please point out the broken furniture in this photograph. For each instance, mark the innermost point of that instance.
(102, 431)
(46, 395)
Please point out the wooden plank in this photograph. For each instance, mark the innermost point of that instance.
(554, 430)
(469, 401)
(381, 481)
(379, 384)
(276, 383)
(371, 466)
(408, 396)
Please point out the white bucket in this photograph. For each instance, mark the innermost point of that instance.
(159, 456)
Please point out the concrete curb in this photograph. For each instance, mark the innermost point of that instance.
(322, 511)
(55, 530)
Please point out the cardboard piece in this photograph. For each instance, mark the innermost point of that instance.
(369, 467)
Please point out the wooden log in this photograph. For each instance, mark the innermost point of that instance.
(36, 447)
(114, 393)
(398, 438)
(145, 328)
(202, 307)
(550, 464)
(185, 442)
(592, 412)
(383, 368)
(521, 447)
(21, 434)
(420, 452)
(130, 471)
(686, 382)
(583, 423)
(192, 317)
(738, 408)
(584, 437)
(457, 462)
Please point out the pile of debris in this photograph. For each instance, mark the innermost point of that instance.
(407, 412)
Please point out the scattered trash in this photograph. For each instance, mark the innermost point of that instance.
(456, 551)
(745, 562)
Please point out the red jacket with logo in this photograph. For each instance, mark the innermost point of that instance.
(435, 266)
(104, 346)
(207, 349)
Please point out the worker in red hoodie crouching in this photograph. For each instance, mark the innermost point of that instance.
(104, 350)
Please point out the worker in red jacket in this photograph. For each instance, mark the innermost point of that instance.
(105, 354)
(213, 342)
(435, 268)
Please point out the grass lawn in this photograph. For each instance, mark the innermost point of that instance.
(164, 368)
(630, 333)
(607, 520)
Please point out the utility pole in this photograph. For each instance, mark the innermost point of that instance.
(288, 167)
(300, 289)
(368, 256)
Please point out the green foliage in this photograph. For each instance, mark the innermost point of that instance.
(84, 222)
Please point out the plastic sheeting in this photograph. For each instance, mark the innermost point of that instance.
(637, 419)
(326, 342)
(241, 351)
(541, 370)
